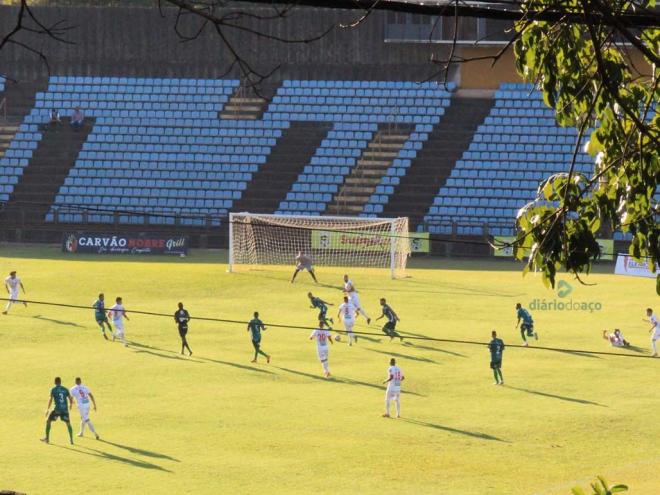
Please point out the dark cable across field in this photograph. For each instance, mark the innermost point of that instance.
(374, 334)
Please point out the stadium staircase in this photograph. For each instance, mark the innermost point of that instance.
(18, 100)
(274, 179)
(54, 156)
(369, 169)
(435, 161)
(244, 104)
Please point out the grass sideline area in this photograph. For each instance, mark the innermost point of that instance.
(216, 423)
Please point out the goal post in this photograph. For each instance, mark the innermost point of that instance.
(267, 239)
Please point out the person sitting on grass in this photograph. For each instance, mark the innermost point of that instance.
(616, 338)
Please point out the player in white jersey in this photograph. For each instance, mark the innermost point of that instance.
(82, 394)
(393, 392)
(347, 314)
(349, 290)
(654, 330)
(322, 337)
(12, 283)
(118, 313)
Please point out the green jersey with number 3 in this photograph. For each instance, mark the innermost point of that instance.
(60, 395)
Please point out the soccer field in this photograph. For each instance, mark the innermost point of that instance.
(216, 423)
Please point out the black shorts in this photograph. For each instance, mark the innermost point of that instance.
(100, 321)
(496, 363)
(63, 415)
(390, 326)
(322, 314)
(183, 330)
(528, 327)
(256, 344)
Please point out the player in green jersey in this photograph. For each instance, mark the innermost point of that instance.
(496, 347)
(101, 315)
(322, 306)
(255, 326)
(527, 326)
(59, 395)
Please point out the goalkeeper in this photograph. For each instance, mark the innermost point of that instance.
(304, 262)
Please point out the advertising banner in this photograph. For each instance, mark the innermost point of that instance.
(606, 247)
(627, 265)
(364, 241)
(97, 243)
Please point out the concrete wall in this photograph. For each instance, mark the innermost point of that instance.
(140, 42)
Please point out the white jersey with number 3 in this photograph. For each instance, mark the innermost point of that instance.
(81, 394)
(347, 311)
(396, 375)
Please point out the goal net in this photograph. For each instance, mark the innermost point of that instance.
(256, 239)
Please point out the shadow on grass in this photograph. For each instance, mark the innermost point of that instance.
(579, 354)
(135, 450)
(435, 426)
(165, 353)
(555, 396)
(113, 457)
(402, 356)
(51, 320)
(345, 381)
(161, 353)
(435, 349)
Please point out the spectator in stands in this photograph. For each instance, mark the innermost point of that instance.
(77, 118)
(616, 338)
(55, 119)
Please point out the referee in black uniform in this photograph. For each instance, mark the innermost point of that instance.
(182, 317)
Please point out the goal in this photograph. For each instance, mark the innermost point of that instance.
(256, 239)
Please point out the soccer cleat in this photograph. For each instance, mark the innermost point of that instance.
(4, 312)
(496, 383)
(655, 354)
(267, 359)
(80, 434)
(98, 437)
(526, 344)
(105, 336)
(44, 440)
(368, 321)
(332, 321)
(502, 383)
(190, 353)
(253, 361)
(386, 415)
(536, 336)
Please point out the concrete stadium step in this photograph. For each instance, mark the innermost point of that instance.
(244, 105)
(42, 178)
(445, 146)
(369, 169)
(270, 185)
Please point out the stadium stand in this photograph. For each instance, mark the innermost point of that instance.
(356, 109)
(517, 146)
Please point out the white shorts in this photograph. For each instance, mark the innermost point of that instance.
(13, 294)
(84, 412)
(392, 394)
(323, 354)
(354, 299)
(656, 335)
(348, 325)
(119, 326)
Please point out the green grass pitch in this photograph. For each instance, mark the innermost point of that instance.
(215, 423)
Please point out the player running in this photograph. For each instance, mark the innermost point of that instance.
(349, 290)
(322, 337)
(118, 313)
(304, 262)
(182, 317)
(101, 316)
(60, 395)
(12, 283)
(347, 313)
(82, 394)
(322, 306)
(389, 328)
(256, 326)
(496, 347)
(393, 392)
(527, 327)
(654, 330)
